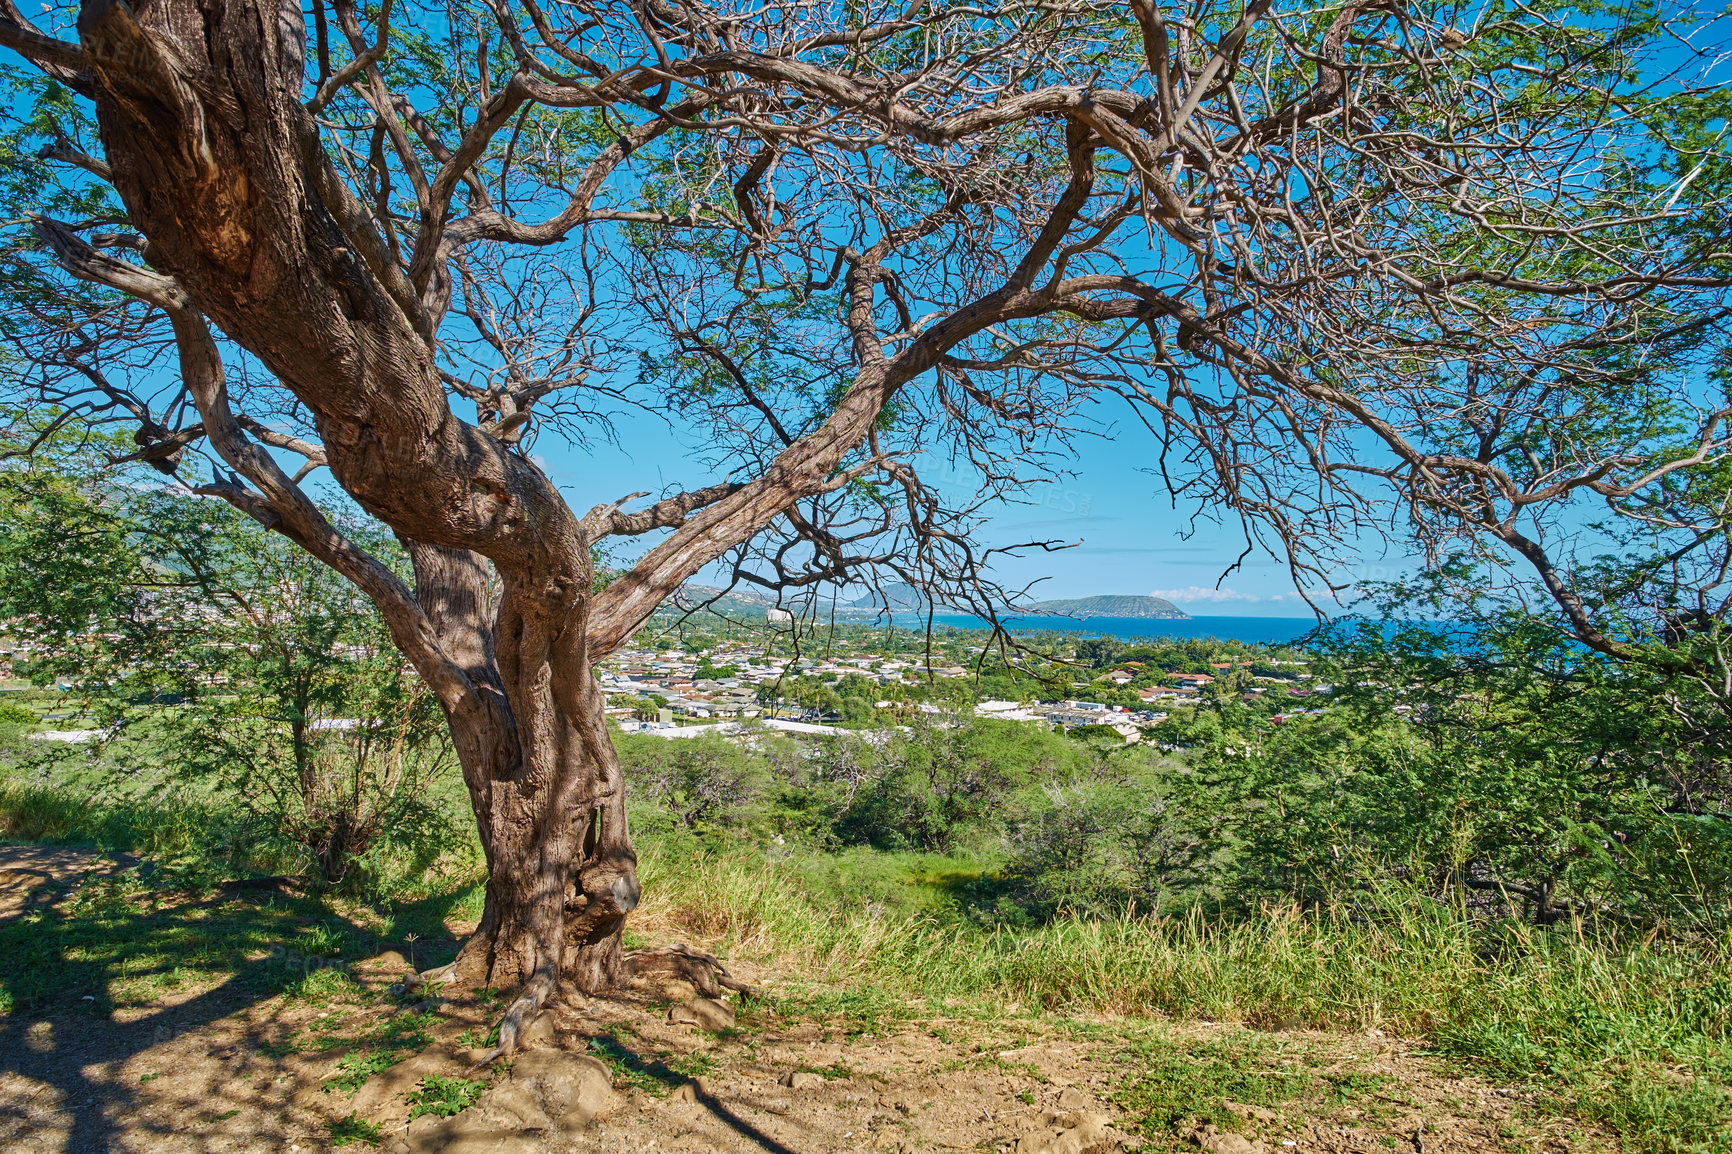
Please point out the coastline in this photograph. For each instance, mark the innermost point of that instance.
(1250, 630)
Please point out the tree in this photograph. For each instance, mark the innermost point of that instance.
(1332, 257)
(927, 788)
(312, 721)
(284, 682)
(702, 781)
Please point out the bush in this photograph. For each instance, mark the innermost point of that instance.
(15, 722)
(932, 787)
(703, 782)
(202, 839)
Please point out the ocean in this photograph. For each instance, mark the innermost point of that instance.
(1252, 630)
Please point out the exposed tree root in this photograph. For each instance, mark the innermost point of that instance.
(680, 963)
(646, 970)
(537, 992)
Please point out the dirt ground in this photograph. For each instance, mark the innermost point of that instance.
(214, 1069)
(33, 873)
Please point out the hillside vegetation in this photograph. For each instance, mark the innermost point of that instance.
(1550, 923)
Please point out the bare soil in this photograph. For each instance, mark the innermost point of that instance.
(35, 873)
(215, 1069)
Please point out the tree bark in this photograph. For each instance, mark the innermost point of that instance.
(563, 879)
(544, 780)
(221, 168)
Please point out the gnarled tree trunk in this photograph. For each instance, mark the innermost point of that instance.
(562, 880)
(222, 169)
(562, 873)
(544, 780)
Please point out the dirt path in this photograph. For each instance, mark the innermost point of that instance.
(34, 873)
(220, 1068)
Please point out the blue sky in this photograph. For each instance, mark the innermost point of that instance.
(1130, 538)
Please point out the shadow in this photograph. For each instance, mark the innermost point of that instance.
(738, 1124)
(610, 1049)
(97, 1109)
(69, 961)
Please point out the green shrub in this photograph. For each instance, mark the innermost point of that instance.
(932, 788)
(702, 782)
(351, 1128)
(443, 1097)
(15, 722)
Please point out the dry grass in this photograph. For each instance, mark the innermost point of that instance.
(1635, 1034)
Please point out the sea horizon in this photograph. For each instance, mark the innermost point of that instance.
(1249, 630)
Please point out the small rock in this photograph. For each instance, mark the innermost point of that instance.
(422, 1125)
(1216, 1141)
(573, 1088)
(802, 1080)
(390, 962)
(513, 1106)
(1254, 1113)
(672, 989)
(684, 1092)
(1090, 1135)
(1074, 1100)
(468, 1133)
(538, 1033)
(440, 974)
(704, 1013)
(385, 1091)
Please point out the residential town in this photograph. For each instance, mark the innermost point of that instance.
(868, 677)
(674, 691)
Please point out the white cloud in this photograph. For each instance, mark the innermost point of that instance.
(1201, 593)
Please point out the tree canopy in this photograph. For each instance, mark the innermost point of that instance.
(1413, 268)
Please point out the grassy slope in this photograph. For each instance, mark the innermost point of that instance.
(1635, 1035)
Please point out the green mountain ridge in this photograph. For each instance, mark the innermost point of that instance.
(1110, 605)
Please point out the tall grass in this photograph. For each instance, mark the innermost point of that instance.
(197, 839)
(1633, 1033)
(158, 825)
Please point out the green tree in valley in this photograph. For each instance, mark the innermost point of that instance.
(286, 691)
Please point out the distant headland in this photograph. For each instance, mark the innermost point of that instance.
(1108, 605)
(905, 598)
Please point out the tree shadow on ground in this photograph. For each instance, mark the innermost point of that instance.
(660, 1078)
(94, 974)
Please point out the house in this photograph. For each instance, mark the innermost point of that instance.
(1006, 711)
